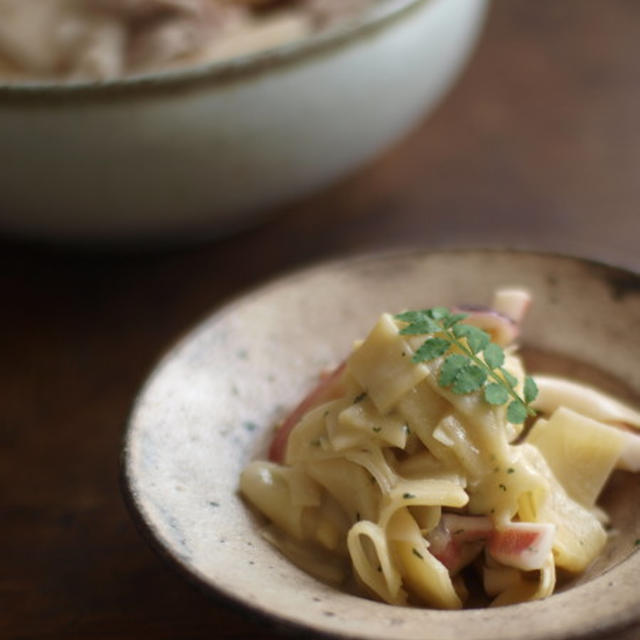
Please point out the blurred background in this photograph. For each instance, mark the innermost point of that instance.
(536, 146)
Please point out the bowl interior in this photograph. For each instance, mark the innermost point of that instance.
(210, 405)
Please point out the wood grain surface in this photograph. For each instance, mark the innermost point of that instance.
(537, 146)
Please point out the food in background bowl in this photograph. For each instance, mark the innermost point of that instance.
(102, 39)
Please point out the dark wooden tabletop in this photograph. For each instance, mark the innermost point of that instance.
(538, 145)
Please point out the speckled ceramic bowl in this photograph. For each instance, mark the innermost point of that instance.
(213, 147)
(210, 405)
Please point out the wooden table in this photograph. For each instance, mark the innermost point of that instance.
(537, 146)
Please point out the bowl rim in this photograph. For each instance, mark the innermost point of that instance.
(373, 20)
(623, 280)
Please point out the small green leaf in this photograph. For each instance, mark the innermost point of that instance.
(412, 316)
(454, 319)
(477, 339)
(469, 378)
(493, 355)
(516, 412)
(450, 368)
(479, 365)
(530, 389)
(430, 349)
(438, 313)
(495, 394)
(420, 327)
(512, 381)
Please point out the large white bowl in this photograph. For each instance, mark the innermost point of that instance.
(214, 146)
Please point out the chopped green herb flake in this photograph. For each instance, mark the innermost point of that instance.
(503, 487)
(377, 429)
(637, 542)
(360, 397)
(511, 470)
(408, 496)
(416, 553)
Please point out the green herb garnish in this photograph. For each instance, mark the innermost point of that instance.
(416, 553)
(464, 371)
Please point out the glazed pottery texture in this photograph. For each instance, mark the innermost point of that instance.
(211, 403)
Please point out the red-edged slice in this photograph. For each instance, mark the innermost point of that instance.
(457, 540)
(327, 389)
(523, 545)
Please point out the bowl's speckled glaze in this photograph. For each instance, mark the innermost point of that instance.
(211, 403)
